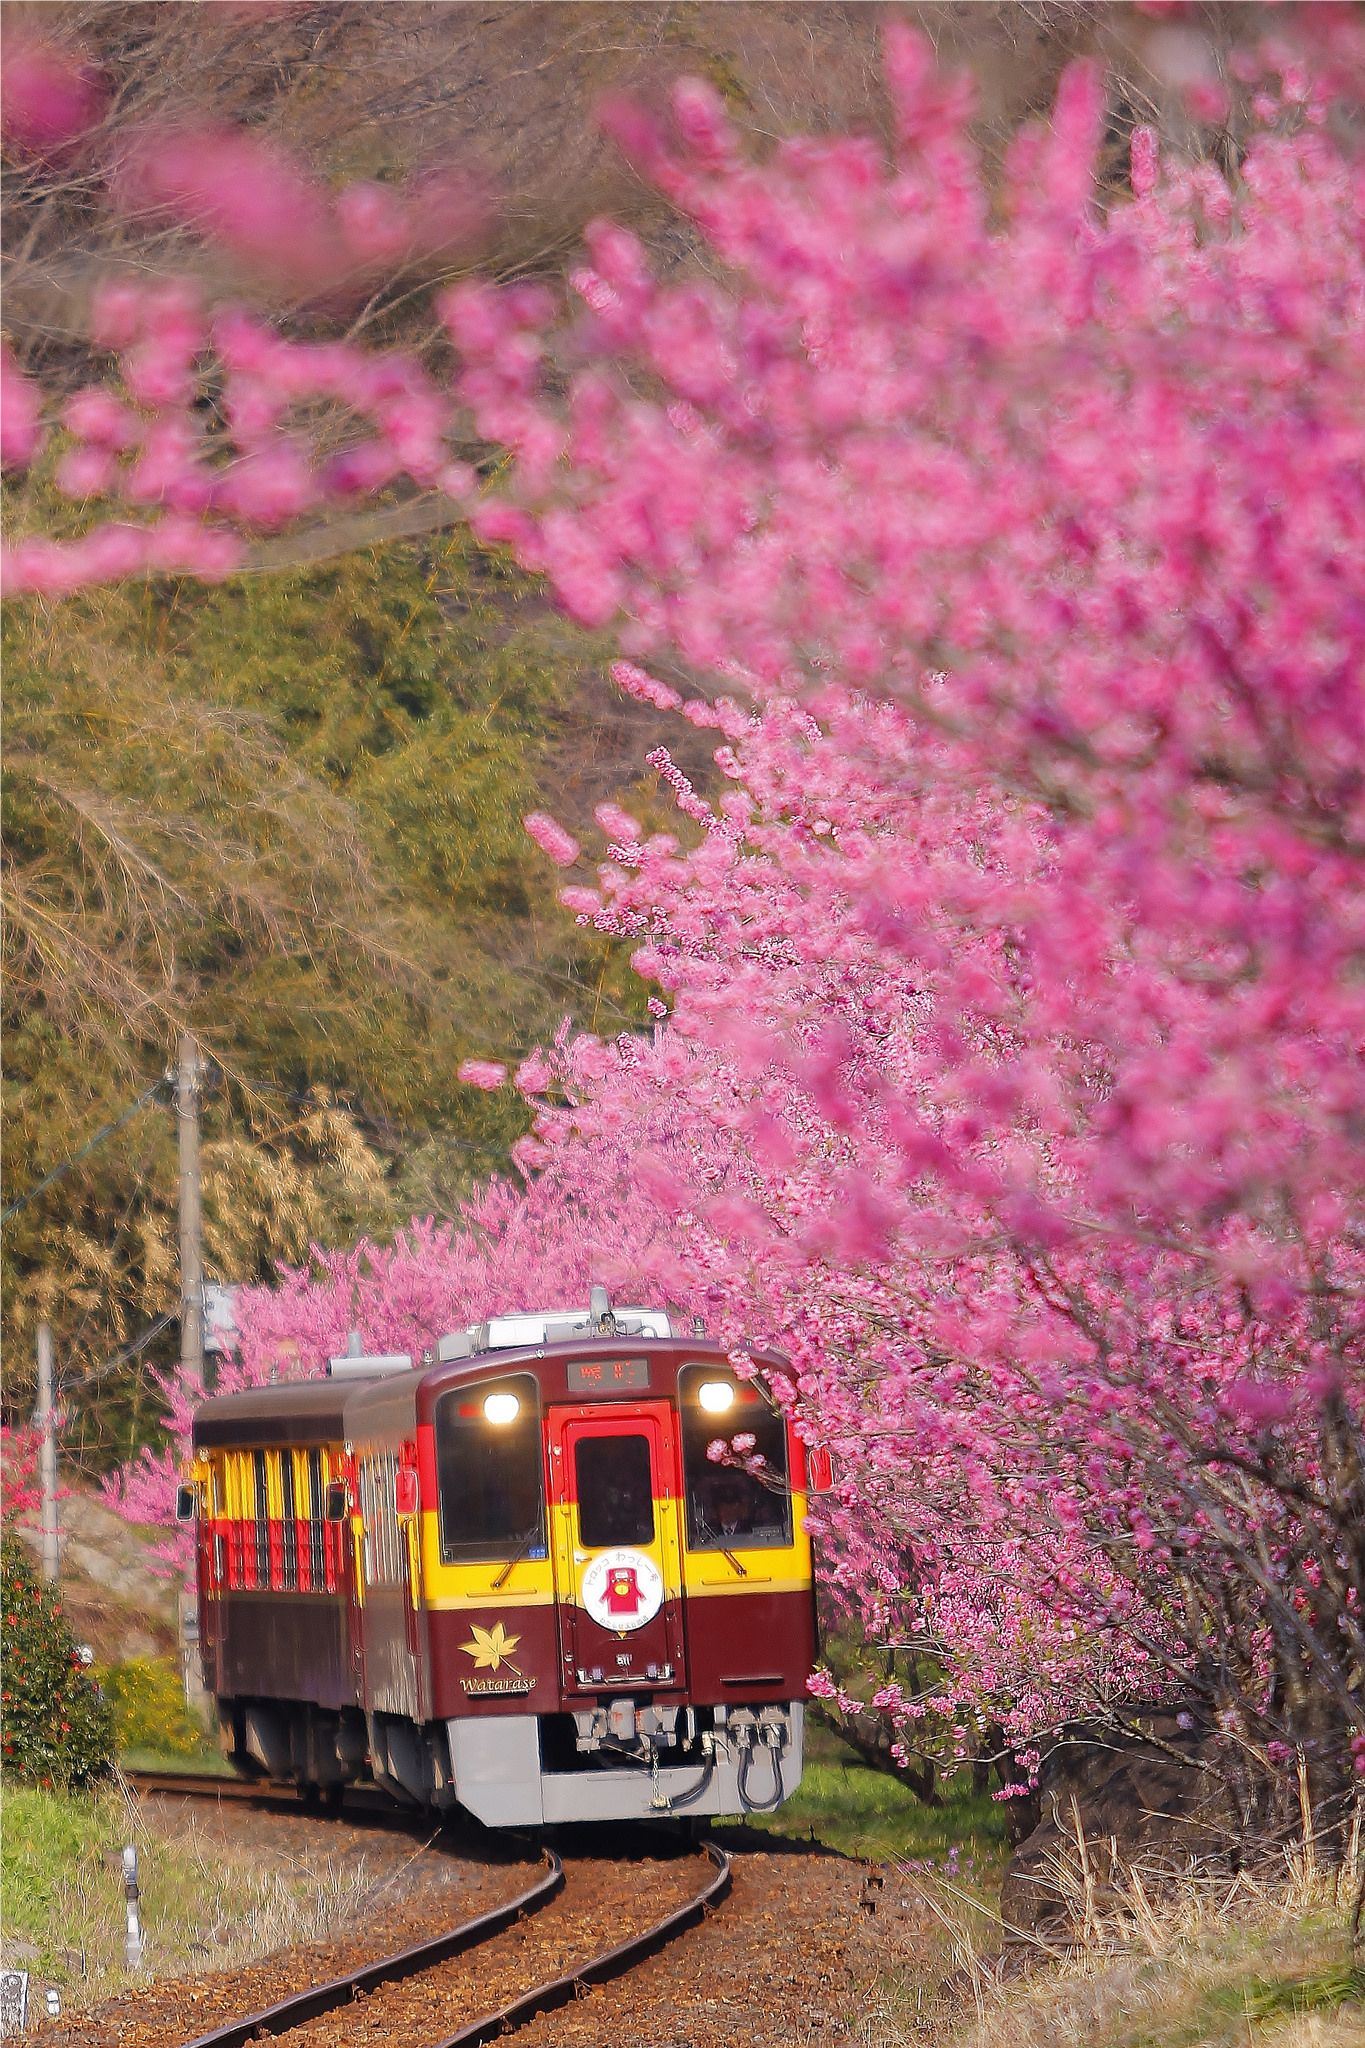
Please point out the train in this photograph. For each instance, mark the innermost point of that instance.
(555, 1571)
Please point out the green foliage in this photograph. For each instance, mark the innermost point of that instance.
(1264, 1998)
(55, 1728)
(148, 1701)
(287, 813)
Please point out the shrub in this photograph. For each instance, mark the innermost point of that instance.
(149, 1707)
(56, 1728)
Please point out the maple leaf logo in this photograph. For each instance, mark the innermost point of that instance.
(491, 1647)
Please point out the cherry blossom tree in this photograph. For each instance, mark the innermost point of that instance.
(20, 1493)
(1010, 1078)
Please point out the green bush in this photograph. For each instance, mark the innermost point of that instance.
(56, 1728)
(148, 1700)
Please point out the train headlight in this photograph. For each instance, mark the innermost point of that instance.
(502, 1408)
(716, 1396)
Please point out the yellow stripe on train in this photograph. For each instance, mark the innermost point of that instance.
(531, 1581)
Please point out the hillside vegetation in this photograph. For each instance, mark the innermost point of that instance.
(286, 811)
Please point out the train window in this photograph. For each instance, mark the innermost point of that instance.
(384, 1550)
(615, 1497)
(728, 1508)
(489, 1471)
(369, 1513)
(289, 1528)
(317, 1523)
(261, 1519)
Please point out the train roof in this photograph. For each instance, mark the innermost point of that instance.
(324, 1411)
(313, 1410)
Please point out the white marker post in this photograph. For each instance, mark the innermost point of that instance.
(134, 1898)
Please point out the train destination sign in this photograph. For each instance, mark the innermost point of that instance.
(607, 1375)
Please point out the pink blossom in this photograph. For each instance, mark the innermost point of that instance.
(551, 838)
(486, 1074)
(48, 97)
(535, 1075)
(20, 414)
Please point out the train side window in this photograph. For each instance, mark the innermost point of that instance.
(235, 1476)
(729, 1508)
(261, 1518)
(383, 1561)
(612, 1481)
(489, 1471)
(370, 1520)
(289, 1528)
(317, 1522)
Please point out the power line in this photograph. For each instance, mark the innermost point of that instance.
(68, 1165)
(129, 1351)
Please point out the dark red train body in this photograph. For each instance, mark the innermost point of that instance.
(518, 1579)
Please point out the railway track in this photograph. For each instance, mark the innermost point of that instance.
(481, 1980)
(301, 2007)
(407, 2000)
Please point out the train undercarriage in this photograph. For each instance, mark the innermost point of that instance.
(614, 1761)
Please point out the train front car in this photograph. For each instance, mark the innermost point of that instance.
(601, 1620)
(517, 1580)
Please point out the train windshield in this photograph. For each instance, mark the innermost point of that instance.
(615, 1495)
(489, 1471)
(734, 1502)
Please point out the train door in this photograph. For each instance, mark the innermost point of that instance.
(613, 1482)
(213, 1574)
(344, 1538)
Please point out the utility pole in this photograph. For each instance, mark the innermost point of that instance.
(187, 1076)
(46, 1420)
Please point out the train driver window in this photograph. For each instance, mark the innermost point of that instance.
(489, 1471)
(615, 1497)
(729, 1508)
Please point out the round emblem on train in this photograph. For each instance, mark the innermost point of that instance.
(622, 1590)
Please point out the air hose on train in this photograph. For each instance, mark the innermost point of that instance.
(677, 1799)
(746, 1764)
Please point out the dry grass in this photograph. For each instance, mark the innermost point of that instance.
(1259, 1961)
(206, 1903)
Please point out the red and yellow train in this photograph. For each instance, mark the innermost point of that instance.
(512, 1579)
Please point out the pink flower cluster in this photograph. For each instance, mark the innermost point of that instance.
(20, 1497)
(1011, 1077)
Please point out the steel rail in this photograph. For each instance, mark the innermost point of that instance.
(203, 1785)
(211, 1785)
(611, 1963)
(302, 2006)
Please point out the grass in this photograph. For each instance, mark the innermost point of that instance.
(1224, 1987)
(1244, 1962)
(877, 1818)
(208, 1762)
(204, 1905)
